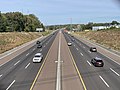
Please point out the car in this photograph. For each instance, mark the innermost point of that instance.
(39, 46)
(38, 57)
(93, 49)
(97, 62)
(69, 43)
(73, 39)
(38, 42)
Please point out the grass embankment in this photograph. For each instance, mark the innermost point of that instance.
(10, 40)
(108, 38)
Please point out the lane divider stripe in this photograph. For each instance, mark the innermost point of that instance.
(40, 69)
(84, 86)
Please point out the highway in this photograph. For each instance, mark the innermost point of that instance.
(58, 71)
(19, 73)
(95, 78)
(63, 66)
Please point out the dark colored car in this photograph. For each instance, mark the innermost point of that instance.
(97, 62)
(38, 42)
(93, 49)
(72, 39)
(39, 46)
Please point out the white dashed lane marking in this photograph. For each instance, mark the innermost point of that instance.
(114, 72)
(10, 85)
(27, 54)
(89, 63)
(89, 51)
(16, 62)
(33, 49)
(81, 54)
(1, 75)
(77, 48)
(104, 81)
(27, 66)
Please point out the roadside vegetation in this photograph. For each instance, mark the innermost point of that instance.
(10, 40)
(108, 38)
(17, 29)
(16, 21)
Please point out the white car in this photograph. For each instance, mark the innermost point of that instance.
(69, 43)
(38, 57)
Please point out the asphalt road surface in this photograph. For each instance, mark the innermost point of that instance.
(63, 68)
(49, 79)
(95, 78)
(19, 73)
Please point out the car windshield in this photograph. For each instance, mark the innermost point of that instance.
(99, 60)
(37, 55)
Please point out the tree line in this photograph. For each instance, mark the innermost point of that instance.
(81, 26)
(91, 24)
(16, 21)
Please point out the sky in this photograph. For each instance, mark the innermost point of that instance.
(53, 12)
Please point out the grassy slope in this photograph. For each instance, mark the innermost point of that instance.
(10, 40)
(108, 38)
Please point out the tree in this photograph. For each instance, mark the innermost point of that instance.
(114, 23)
(16, 21)
(42, 26)
(89, 25)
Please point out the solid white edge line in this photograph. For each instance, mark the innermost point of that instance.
(111, 59)
(27, 65)
(4, 63)
(10, 85)
(13, 51)
(114, 72)
(96, 44)
(89, 63)
(105, 50)
(16, 62)
(104, 81)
